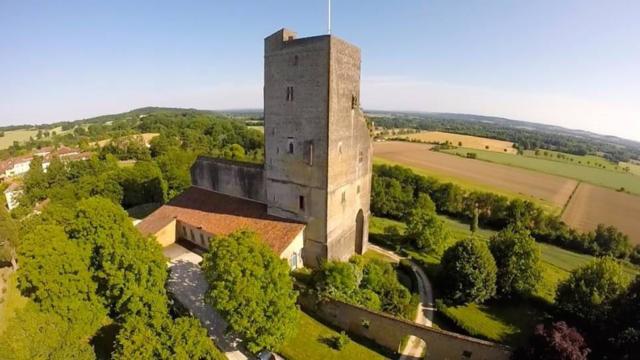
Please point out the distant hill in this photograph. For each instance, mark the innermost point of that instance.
(526, 134)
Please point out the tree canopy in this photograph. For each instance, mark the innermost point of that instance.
(518, 261)
(252, 289)
(589, 291)
(469, 273)
(424, 228)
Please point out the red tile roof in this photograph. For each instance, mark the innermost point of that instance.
(221, 214)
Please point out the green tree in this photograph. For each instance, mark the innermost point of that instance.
(54, 272)
(175, 165)
(38, 335)
(143, 183)
(468, 273)
(251, 287)
(473, 227)
(517, 257)
(424, 227)
(35, 180)
(182, 339)
(130, 269)
(589, 291)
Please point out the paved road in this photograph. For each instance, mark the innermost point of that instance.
(188, 284)
(415, 346)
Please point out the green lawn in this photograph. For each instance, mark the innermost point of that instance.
(509, 323)
(11, 298)
(473, 186)
(590, 174)
(311, 343)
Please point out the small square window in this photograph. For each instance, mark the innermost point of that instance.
(467, 354)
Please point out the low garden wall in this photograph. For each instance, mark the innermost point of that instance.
(389, 331)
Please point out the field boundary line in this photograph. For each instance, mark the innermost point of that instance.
(573, 193)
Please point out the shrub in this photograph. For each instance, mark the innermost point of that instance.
(558, 342)
(340, 341)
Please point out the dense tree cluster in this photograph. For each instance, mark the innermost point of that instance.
(252, 288)
(85, 268)
(396, 189)
(371, 283)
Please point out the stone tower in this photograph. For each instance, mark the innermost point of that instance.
(317, 144)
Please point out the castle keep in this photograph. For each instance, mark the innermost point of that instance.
(317, 170)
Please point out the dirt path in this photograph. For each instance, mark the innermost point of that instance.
(415, 346)
(554, 189)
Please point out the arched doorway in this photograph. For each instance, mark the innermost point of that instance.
(359, 232)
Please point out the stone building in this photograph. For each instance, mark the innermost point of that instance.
(318, 151)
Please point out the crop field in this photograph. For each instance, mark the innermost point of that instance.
(584, 160)
(550, 191)
(592, 205)
(22, 135)
(590, 174)
(473, 142)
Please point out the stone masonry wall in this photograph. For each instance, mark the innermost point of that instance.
(388, 331)
(229, 177)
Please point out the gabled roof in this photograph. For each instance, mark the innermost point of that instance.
(221, 214)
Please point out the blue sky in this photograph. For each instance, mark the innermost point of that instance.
(574, 63)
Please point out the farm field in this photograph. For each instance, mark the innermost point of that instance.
(313, 337)
(550, 191)
(21, 136)
(592, 205)
(593, 175)
(473, 142)
(584, 160)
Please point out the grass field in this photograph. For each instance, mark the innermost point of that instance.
(589, 174)
(257, 127)
(21, 136)
(509, 323)
(312, 340)
(473, 142)
(584, 160)
(11, 298)
(550, 192)
(635, 168)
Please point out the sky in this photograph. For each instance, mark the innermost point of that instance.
(573, 63)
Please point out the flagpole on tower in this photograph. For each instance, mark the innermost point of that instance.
(329, 13)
